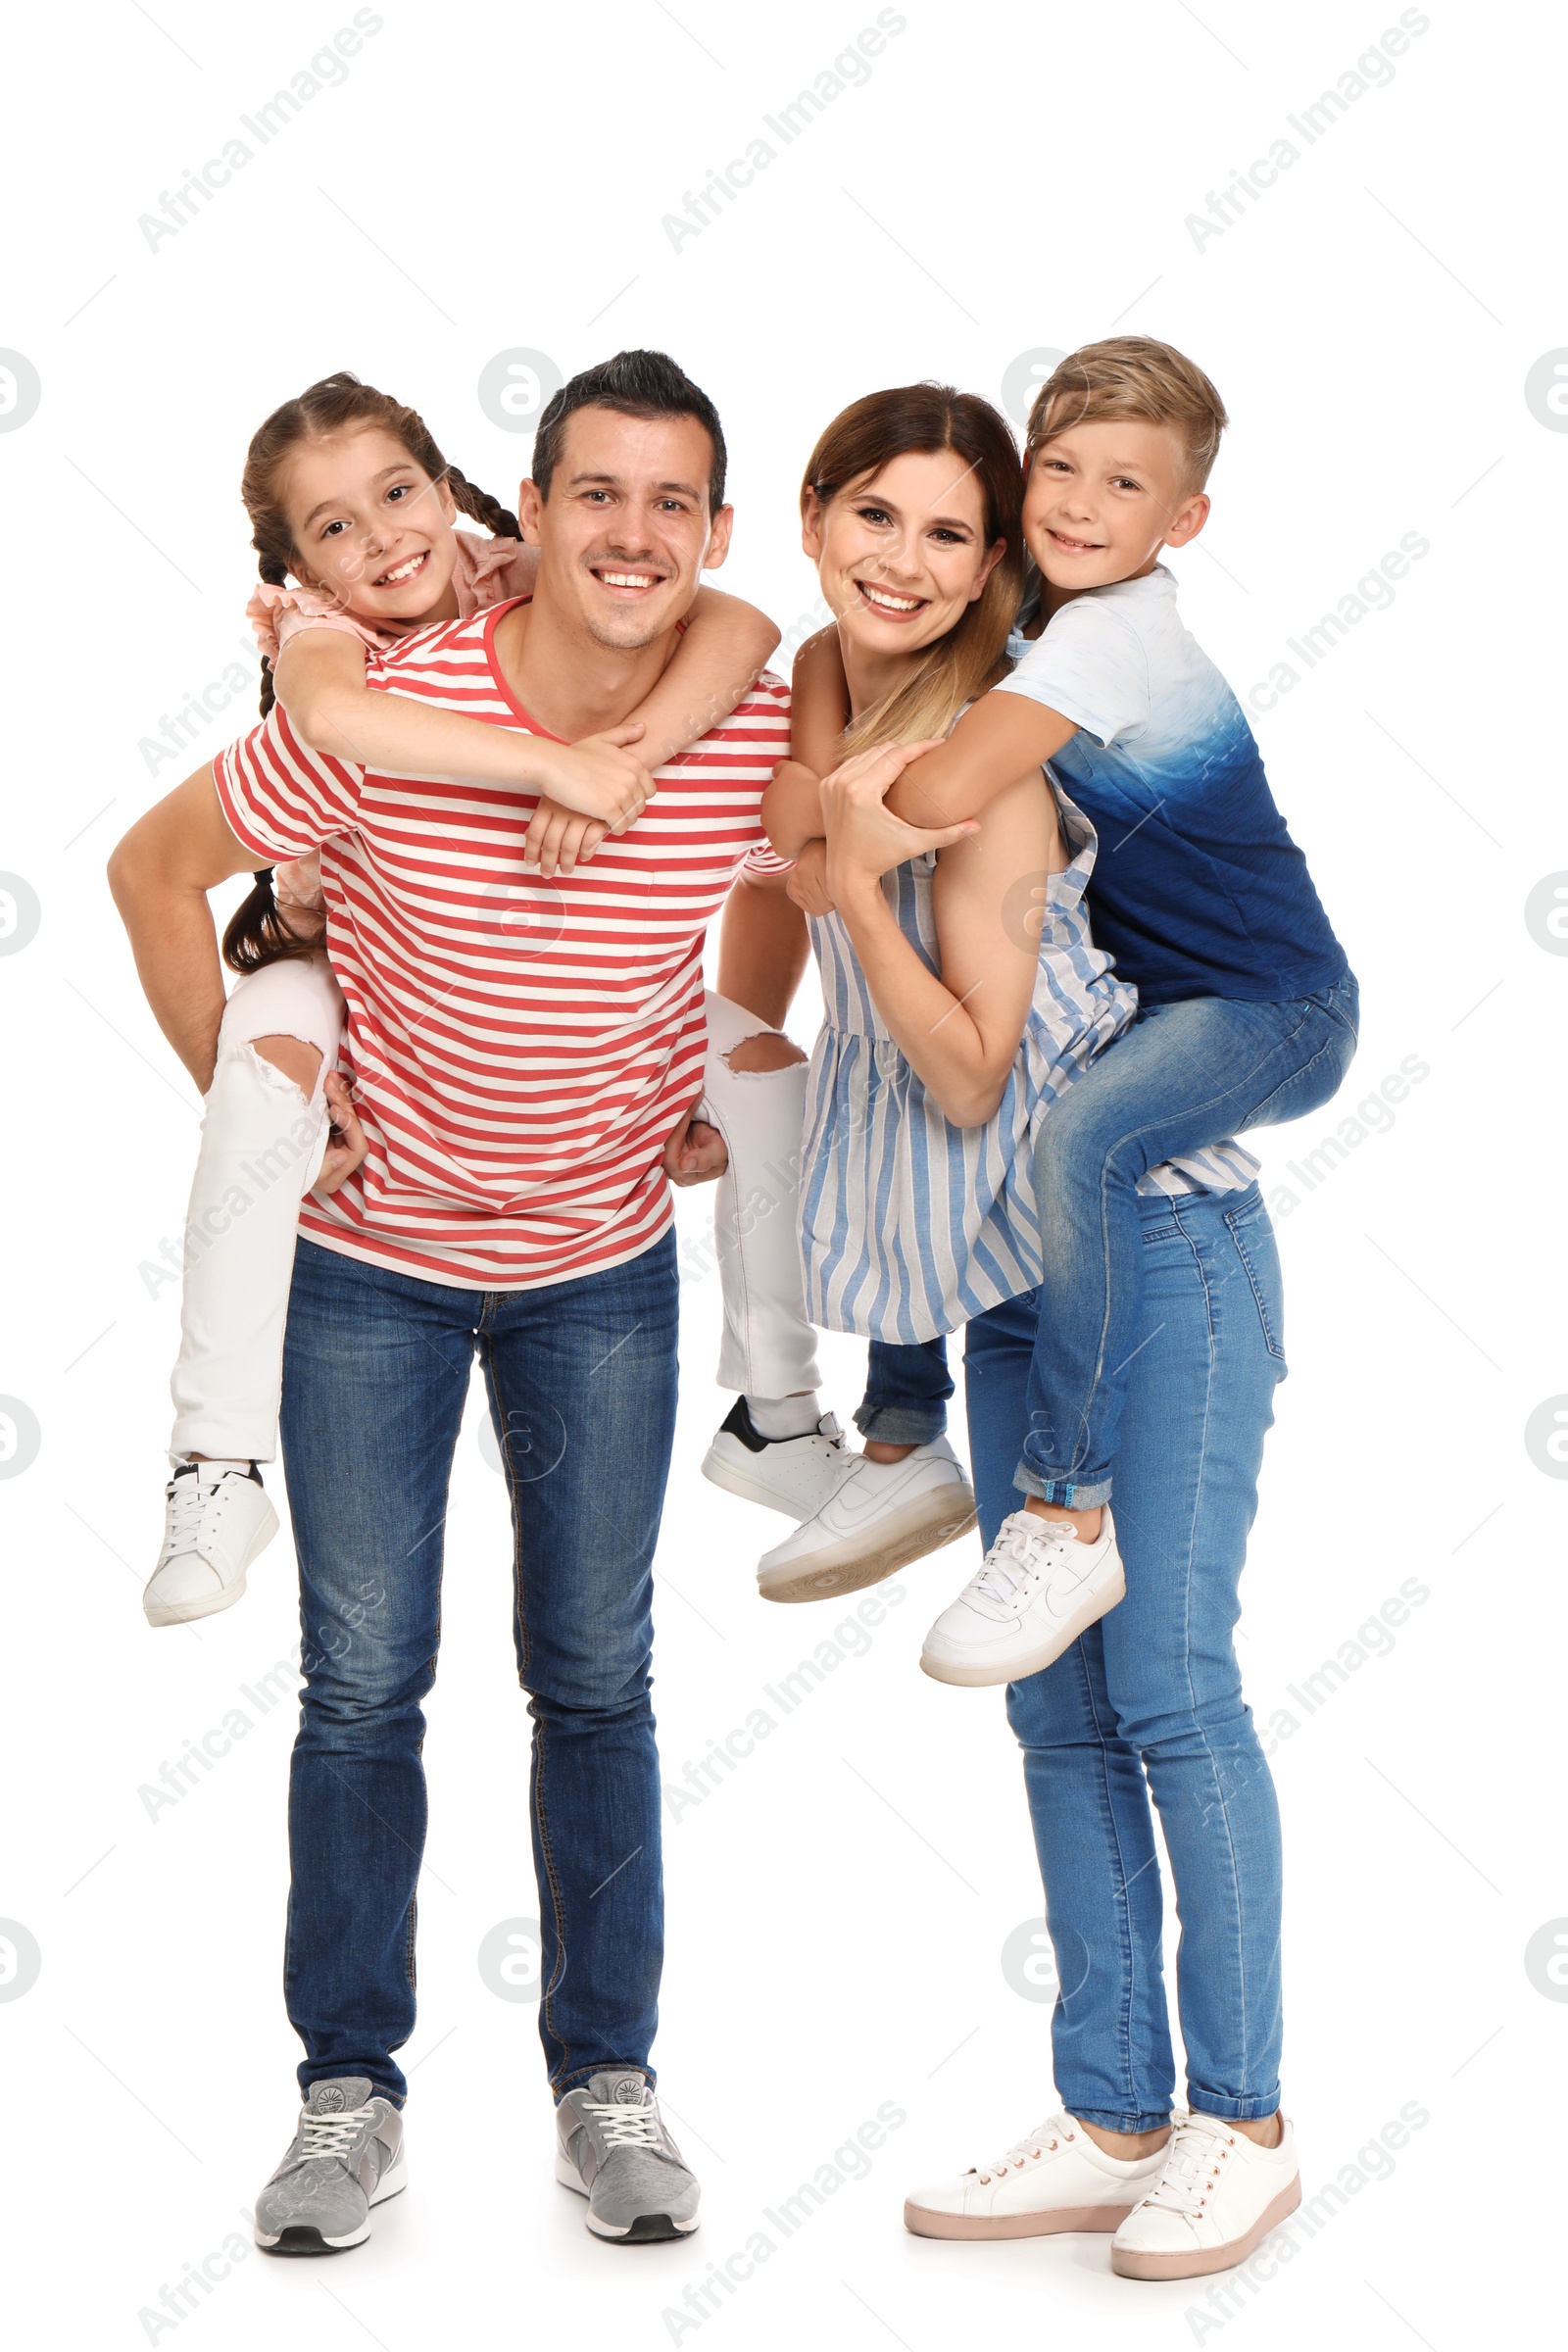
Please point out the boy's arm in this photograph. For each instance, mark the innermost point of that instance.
(819, 712)
(160, 877)
(999, 739)
(725, 645)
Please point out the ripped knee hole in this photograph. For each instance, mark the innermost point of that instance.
(756, 1056)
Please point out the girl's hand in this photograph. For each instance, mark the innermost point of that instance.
(597, 777)
(808, 880)
(559, 840)
(864, 839)
(347, 1144)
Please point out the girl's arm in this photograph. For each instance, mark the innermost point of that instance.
(959, 1033)
(319, 679)
(819, 712)
(726, 643)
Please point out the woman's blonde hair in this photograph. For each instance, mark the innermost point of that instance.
(919, 421)
(1135, 378)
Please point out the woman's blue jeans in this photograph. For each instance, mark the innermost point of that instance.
(1185, 1075)
(581, 1377)
(1149, 1703)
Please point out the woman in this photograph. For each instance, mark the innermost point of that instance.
(948, 1035)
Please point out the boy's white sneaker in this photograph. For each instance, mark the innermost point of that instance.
(1054, 2179)
(878, 1517)
(795, 1475)
(1039, 1588)
(218, 1520)
(1218, 2195)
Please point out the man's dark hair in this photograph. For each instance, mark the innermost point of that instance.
(637, 383)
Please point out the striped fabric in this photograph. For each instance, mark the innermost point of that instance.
(520, 1049)
(911, 1226)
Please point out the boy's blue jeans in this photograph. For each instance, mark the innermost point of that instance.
(1183, 1076)
(581, 1377)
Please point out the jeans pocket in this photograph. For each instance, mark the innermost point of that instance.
(1252, 1232)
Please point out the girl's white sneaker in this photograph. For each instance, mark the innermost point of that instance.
(218, 1520)
(1054, 2179)
(1218, 2195)
(1041, 1587)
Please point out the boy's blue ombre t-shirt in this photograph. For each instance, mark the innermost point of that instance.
(1199, 890)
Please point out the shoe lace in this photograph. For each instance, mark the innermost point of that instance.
(331, 2134)
(626, 2126)
(1197, 2147)
(188, 1497)
(1045, 2137)
(1013, 1565)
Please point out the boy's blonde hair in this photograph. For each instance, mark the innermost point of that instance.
(1133, 376)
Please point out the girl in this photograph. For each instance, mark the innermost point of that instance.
(349, 496)
(950, 1035)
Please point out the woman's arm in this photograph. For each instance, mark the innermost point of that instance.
(762, 947)
(959, 1033)
(319, 680)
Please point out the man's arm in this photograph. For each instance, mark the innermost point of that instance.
(160, 875)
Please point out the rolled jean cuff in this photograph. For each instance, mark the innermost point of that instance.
(901, 1424)
(1234, 2111)
(1105, 2120)
(1069, 1494)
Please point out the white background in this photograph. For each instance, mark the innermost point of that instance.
(488, 178)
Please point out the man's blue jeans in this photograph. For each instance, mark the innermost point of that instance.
(1149, 1703)
(1185, 1075)
(581, 1376)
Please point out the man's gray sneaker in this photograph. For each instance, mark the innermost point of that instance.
(615, 2152)
(347, 2156)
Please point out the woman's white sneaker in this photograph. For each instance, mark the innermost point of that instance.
(1054, 2179)
(1218, 2195)
(217, 1521)
(1041, 1587)
(878, 1518)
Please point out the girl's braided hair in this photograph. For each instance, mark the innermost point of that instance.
(258, 934)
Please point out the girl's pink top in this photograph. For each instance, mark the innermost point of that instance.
(487, 572)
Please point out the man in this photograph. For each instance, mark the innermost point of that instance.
(522, 1051)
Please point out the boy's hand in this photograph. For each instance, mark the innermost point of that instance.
(696, 1153)
(347, 1144)
(559, 840)
(806, 883)
(597, 777)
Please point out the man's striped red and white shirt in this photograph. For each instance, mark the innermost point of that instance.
(519, 1048)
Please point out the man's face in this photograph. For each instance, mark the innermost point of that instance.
(625, 532)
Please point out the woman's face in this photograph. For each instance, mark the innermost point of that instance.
(902, 553)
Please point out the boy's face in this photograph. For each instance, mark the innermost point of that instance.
(1103, 498)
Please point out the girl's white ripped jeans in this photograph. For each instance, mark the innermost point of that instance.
(769, 1347)
(262, 1148)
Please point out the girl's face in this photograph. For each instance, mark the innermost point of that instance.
(369, 525)
(902, 553)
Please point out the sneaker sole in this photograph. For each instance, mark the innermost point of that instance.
(849, 1566)
(301, 2237)
(649, 2228)
(979, 1674)
(1099, 2220)
(208, 1605)
(1133, 2262)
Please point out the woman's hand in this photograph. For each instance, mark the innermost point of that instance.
(807, 881)
(559, 840)
(864, 839)
(347, 1144)
(597, 777)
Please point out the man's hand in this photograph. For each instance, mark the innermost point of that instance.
(696, 1153)
(347, 1144)
(807, 882)
(559, 840)
(597, 777)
